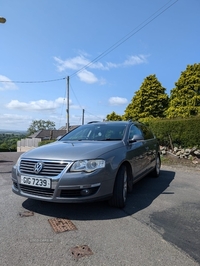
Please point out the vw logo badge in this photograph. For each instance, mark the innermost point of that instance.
(38, 167)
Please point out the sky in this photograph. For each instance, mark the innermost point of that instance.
(106, 48)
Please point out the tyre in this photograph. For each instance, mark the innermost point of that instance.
(156, 170)
(120, 188)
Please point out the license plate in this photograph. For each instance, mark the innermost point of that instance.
(36, 181)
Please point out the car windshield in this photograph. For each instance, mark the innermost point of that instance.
(100, 132)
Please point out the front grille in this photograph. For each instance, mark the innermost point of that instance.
(69, 193)
(37, 191)
(50, 168)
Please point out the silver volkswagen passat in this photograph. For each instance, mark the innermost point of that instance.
(96, 161)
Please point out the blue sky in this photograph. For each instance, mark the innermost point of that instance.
(45, 40)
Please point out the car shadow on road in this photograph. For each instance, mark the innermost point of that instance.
(144, 193)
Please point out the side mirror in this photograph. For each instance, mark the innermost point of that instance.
(136, 138)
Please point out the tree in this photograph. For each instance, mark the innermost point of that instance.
(37, 125)
(113, 117)
(185, 97)
(4, 146)
(150, 101)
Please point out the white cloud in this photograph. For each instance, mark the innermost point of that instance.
(135, 60)
(7, 84)
(112, 65)
(77, 63)
(131, 61)
(72, 63)
(33, 105)
(60, 100)
(82, 62)
(87, 76)
(13, 121)
(22, 122)
(117, 101)
(40, 105)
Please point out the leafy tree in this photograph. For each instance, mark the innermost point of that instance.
(185, 97)
(37, 125)
(8, 142)
(150, 101)
(4, 146)
(113, 117)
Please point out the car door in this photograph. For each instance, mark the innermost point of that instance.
(136, 152)
(150, 145)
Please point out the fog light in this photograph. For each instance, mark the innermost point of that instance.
(86, 192)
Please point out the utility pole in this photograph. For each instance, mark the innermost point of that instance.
(67, 104)
(83, 117)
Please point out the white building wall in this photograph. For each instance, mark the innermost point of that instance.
(24, 145)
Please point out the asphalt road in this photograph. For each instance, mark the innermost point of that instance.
(160, 225)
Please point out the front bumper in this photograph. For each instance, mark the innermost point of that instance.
(68, 187)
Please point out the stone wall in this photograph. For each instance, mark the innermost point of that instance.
(190, 154)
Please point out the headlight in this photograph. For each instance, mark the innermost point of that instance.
(87, 165)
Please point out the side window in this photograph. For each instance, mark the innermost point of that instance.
(146, 132)
(134, 131)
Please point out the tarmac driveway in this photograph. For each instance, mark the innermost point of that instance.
(160, 225)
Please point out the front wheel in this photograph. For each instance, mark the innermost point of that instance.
(156, 170)
(120, 188)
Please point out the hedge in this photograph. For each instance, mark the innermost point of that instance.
(177, 132)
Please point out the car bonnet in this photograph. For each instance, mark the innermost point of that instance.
(76, 150)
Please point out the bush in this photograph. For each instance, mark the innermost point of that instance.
(177, 132)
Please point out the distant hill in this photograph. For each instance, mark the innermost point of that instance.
(15, 132)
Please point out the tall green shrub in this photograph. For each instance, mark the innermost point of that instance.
(181, 132)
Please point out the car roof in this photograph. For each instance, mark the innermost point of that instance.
(114, 122)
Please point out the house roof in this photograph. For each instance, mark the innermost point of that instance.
(46, 134)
